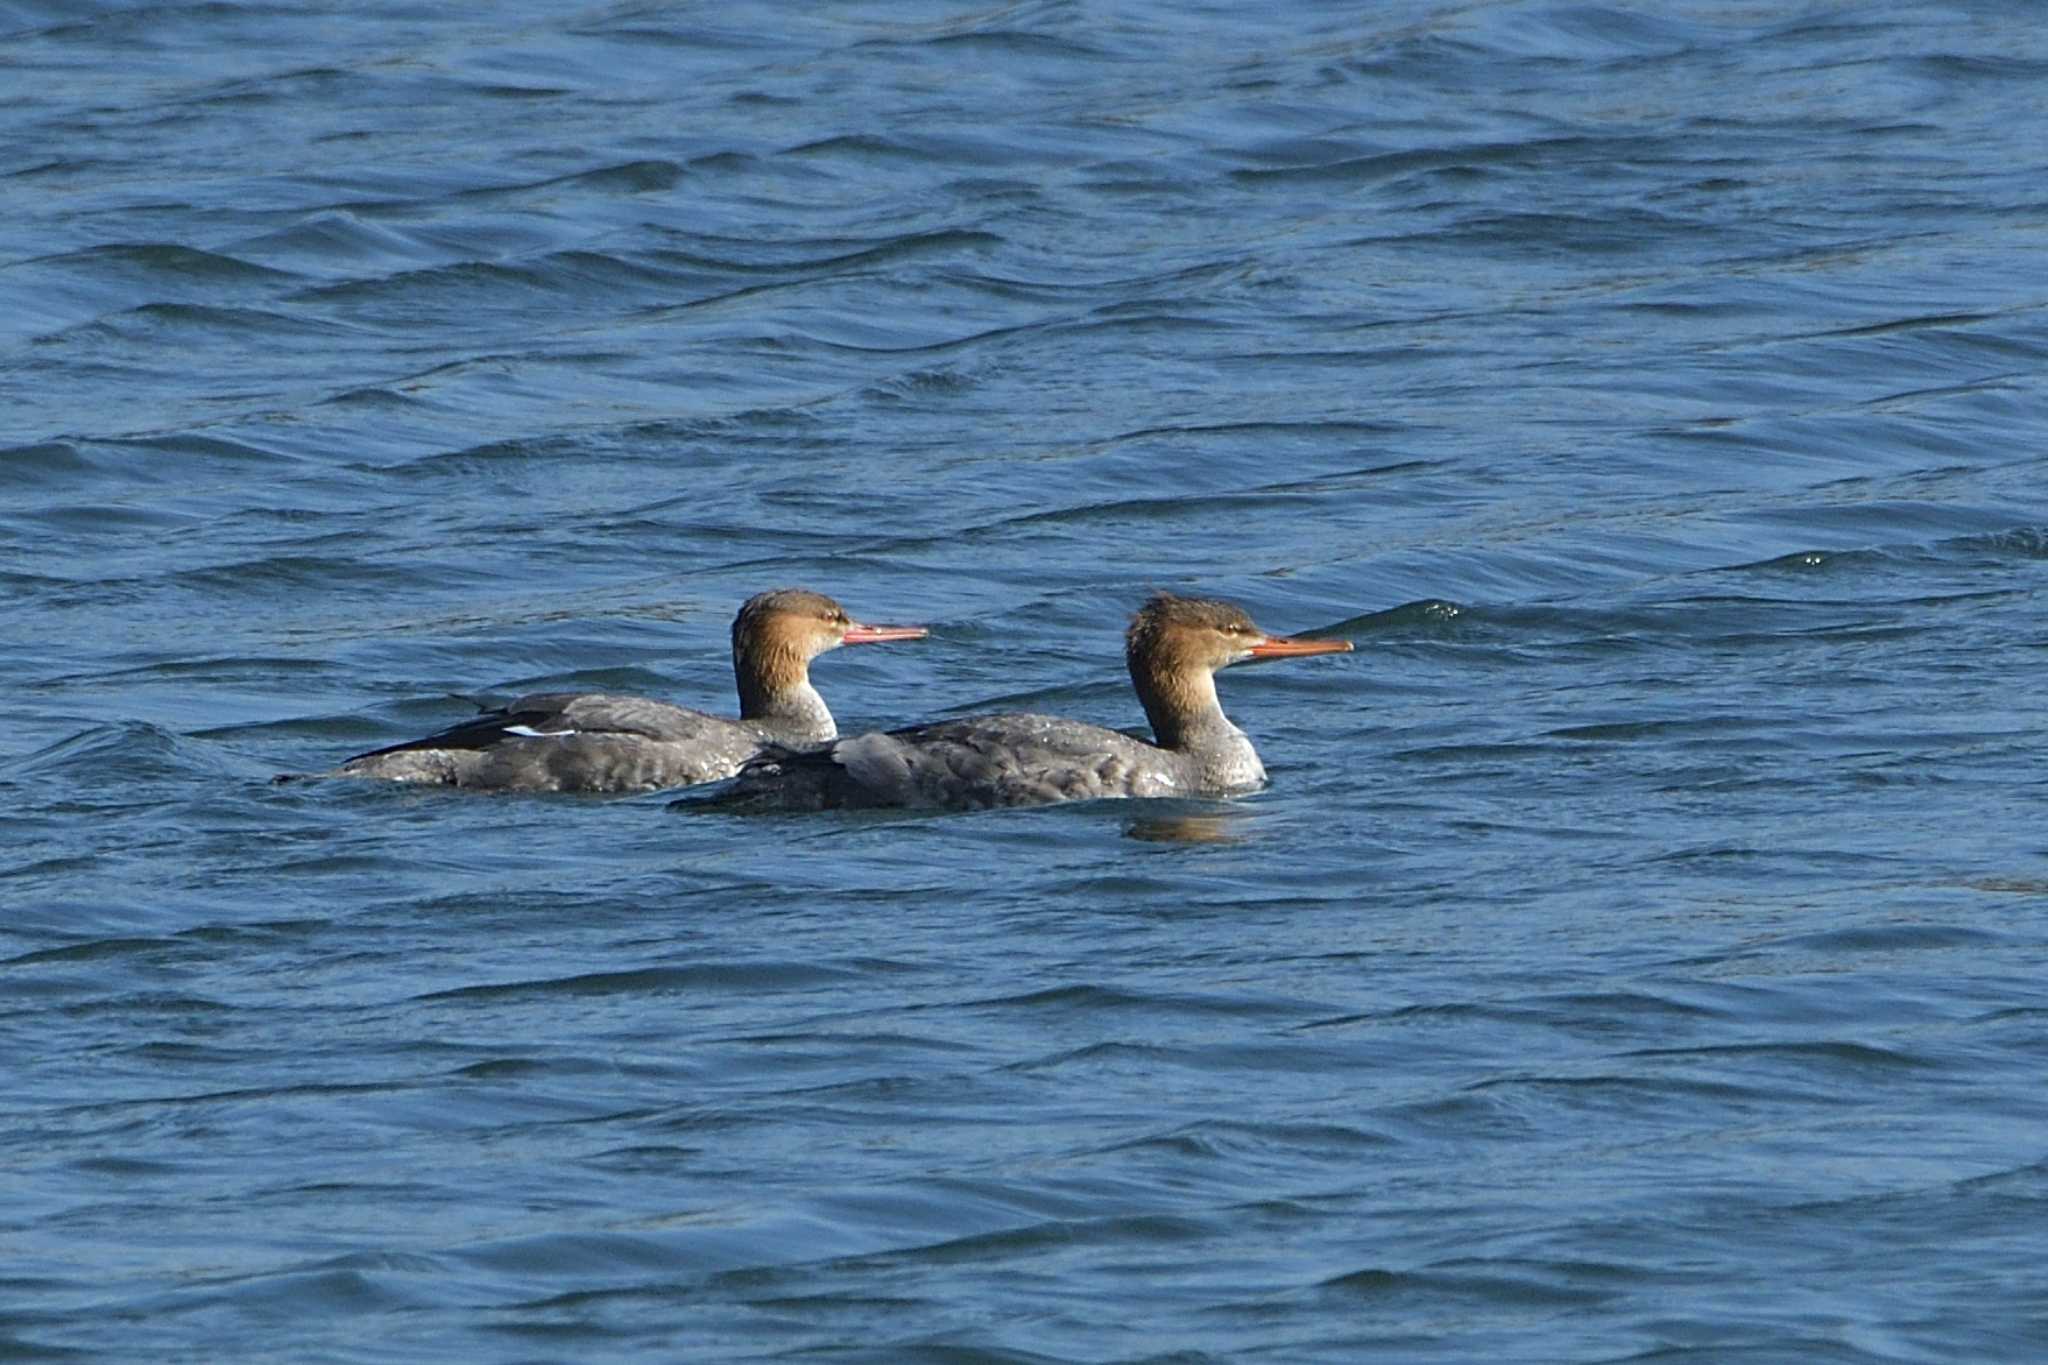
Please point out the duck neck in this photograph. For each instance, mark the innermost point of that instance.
(1187, 719)
(1182, 706)
(776, 693)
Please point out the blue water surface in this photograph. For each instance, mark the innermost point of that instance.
(1637, 955)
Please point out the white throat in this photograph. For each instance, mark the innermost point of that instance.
(798, 713)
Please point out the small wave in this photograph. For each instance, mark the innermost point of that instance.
(226, 668)
(1889, 938)
(485, 278)
(861, 146)
(1830, 1054)
(1121, 1230)
(1091, 999)
(163, 261)
(1469, 1289)
(1974, 67)
(371, 400)
(297, 1293)
(725, 978)
(1011, 43)
(93, 950)
(1624, 732)
(492, 459)
(1589, 34)
(1235, 1139)
(312, 82)
(1431, 615)
(2021, 542)
(806, 256)
(173, 322)
(269, 574)
(1315, 429)
(1800, 561)
(50, 464)
(195, 445)
(627, 177)
(496, 91)
(331, 239)
(118, 755)
(1609, 1091)
(734, 162)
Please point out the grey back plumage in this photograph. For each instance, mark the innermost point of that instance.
(1016, 759)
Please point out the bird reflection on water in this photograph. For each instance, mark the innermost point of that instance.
(1191, 827)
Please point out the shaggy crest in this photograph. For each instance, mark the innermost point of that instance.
(1164, 611)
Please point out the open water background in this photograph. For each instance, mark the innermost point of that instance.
(1638, 955)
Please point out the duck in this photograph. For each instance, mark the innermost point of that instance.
(603, 742)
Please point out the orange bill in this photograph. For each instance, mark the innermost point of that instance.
(1286, 647)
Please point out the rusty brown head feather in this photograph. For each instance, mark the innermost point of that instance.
(1176, 644)
(774, 638)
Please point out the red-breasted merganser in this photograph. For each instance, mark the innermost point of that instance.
(1173, 648)
(601, 742)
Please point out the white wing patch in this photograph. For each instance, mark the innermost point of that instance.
(528, 732)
